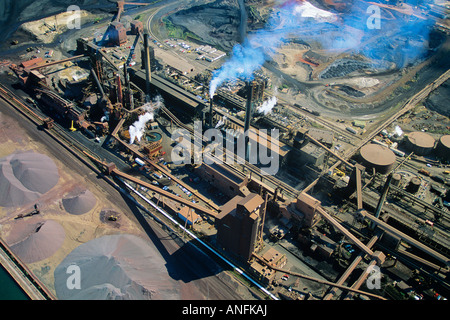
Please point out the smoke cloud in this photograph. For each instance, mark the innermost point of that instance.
(268, 105)
(245, 59)
(401, 39)
(137, 129)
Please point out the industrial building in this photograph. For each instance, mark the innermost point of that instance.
(318, 244)
(118, 33)
(228, 182)
(136, 27)
(234, 201)
(302, 209)
(310, 154)
(264, 272)
(189, 216)
(238, 224)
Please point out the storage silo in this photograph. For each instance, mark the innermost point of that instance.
(396, 179)
(420, 143)
(443, 148)
(378, 157)
(414, 185)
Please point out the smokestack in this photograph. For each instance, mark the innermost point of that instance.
(119, 89)
(248, 106)
(147, 68)
(248, 117)
(211, 112)
(127, 83)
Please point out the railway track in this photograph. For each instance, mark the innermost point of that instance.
(336, 130)
(407, 106)
(38, 118)
(80, 151)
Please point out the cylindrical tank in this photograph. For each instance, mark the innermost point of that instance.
(414, 185)
(420, 143)
(153, 137)
(396, 179)
(377, 156)
(443, 148)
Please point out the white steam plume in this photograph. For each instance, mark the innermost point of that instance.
(268, 105)
(137, 129)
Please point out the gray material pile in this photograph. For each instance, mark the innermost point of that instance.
(24, 177)
(79, 203)
(343, 67)
(116, 267)
(37, 241)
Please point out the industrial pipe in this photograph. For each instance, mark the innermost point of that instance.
(248, 117)
(388, 228)
(383, 196)
(102, 92)
(147, 67)
(329, 283)
(345, 232)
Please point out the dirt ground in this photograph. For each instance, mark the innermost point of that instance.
(78, 228)
(197, 278)
(47, 29)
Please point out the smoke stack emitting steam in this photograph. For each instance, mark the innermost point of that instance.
(303, 20)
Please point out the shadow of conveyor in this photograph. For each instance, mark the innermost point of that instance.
(187, 263)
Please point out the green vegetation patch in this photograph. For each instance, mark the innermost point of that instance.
(174, 31)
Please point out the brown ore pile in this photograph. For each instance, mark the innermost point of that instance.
(79, 203)
(25, 177)
(36, 239)
(116, 267)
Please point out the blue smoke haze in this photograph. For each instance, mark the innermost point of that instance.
(399, 40)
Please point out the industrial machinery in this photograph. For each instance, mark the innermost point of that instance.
(116, 32)
(32, 213)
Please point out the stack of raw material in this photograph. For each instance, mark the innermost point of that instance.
(80, 202)
(36, 239)
(25, 177)
(116, 267)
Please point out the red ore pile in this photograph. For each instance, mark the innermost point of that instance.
(36, 239)
(25, 177)
(80, 202)
(116, 267)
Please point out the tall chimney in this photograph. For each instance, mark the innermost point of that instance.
(119, 89)
(211, 112)
(129, 93)
(248, 117)
(147, 67)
